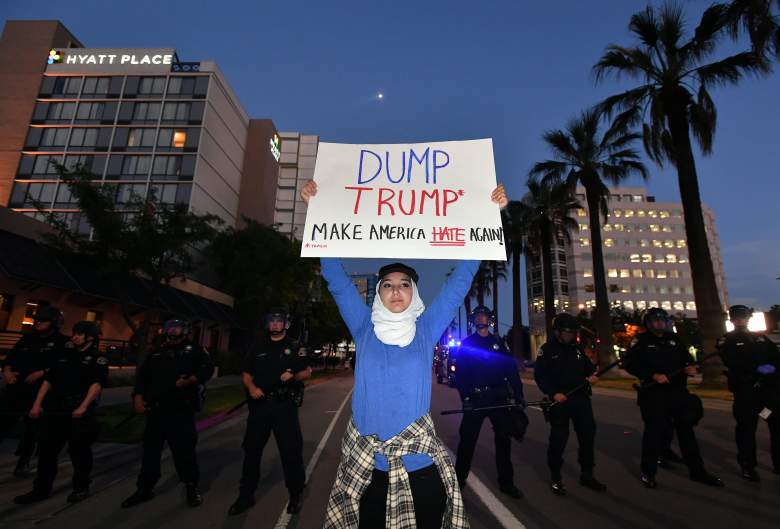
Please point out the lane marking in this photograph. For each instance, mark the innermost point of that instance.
(284, 518)
(505, 517)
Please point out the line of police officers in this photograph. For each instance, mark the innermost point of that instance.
(54, 383)
(489, 387)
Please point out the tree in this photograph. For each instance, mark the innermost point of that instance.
(497, 271)
(549, 205)
(262, 268)
(674, 102)
(583, 157)
(514, 221)
(760, 20)
(139, 238)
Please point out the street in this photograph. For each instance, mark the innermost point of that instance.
(677, 502)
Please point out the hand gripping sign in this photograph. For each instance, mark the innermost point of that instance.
(415, 201)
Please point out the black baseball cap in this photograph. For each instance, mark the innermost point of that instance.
(399, 267)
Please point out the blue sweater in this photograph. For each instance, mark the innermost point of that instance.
(392, 383)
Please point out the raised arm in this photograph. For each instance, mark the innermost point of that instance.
(352, 308)
(439, 314)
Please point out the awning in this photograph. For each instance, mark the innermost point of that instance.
(26, 260)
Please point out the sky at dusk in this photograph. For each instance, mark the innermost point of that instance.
(452, 70)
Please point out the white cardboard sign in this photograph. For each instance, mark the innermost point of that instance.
(413, 201)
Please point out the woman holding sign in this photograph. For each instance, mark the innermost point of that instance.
(394, 470)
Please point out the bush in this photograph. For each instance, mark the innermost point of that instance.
(229, 362)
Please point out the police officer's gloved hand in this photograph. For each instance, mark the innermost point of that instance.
(766, 369)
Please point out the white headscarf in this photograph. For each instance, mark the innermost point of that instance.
(396, 328)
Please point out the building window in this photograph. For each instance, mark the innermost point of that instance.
(617, 212)
(67, 86)
(679, 306)
(583, 227)
(614, 288)
(652, 304)
(589, 288)
(674, 274)
(173, 167)
(176, 112)
(96, 85)
(647, 258)
(612, 272)
(609, 243)
(584, 241)
(52, 137)
(581, 212)
(607, 227)
(151, 85)
(587, 273)
(170, 193)
(637, 198)
(666, 305)
(180, 85)
(636, 273)
(141, 138)
(60, 111)
(65, 199)
(136, 167)
(146, 112)
(624, 272)
(90, 112)
(641, 305)
(81, 137)
(681, 243)
(671, 258)
(38, 167)
(126, 193)
(657, 243)
(32, 195)
(618, 227)
(649, 273)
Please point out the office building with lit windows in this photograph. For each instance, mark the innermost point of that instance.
(142, 121)
(645, 259)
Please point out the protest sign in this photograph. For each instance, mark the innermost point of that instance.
(419, 201)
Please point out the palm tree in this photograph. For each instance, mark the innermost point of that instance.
(497, 271)
(514, 221)
(549, 205)
(760, 21)
(581, 157)
(675, 102)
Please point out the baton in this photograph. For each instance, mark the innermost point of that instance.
(676, 372)
(585, 384)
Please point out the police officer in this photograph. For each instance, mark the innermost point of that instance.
(168, 389)
(753, 364)
(662, 365)
(23, 371)
(488, 376)
(66, 405)
(563, 372)
(273, 375)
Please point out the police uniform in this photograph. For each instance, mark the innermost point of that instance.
(664, 406)
(561, 368)
(33, 352)
(170, 414)
(276, 412)
(70, 377)
(487, 376)
(743, 352)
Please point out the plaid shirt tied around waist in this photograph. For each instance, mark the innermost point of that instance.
(357, 463)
